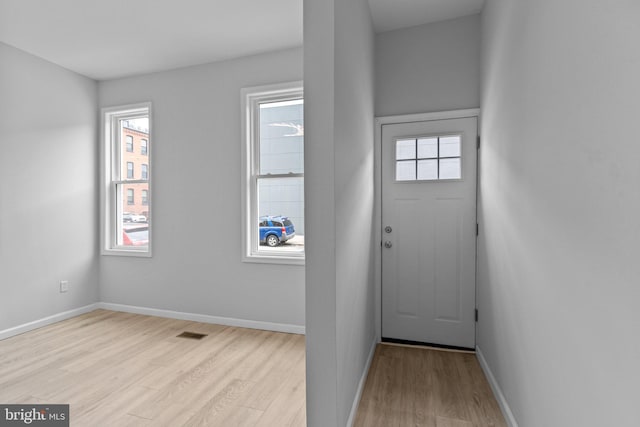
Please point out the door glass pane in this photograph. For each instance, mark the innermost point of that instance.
(406, 170)
(281, 206)
(450, 169)
(429, 158)
(428, 169)
(427, 148)
(450, 146)
(282, 137)
(405, 149)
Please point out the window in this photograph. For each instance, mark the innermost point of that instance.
(125, 218)
(430, 158)
(273, 170)
(143, 147)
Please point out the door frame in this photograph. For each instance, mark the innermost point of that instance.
(379, 123)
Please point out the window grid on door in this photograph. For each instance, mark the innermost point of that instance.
(431, 158)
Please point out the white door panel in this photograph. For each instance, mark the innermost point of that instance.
(429, 231)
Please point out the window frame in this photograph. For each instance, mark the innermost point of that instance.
(110, 165)
(251, 98)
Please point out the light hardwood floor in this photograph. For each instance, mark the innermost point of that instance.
(420, 387)
(120, 369)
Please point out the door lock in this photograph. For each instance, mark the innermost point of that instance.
(388, 229)
(387, 244)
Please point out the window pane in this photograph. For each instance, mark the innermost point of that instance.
(281, 205)
(427, 169)
(427, 148)
(133, 215)
(127, 204)
(135, 235)
(450, 146)
(450, 169)
(405, 149)
(406, 170)
(282, 137)
(133, 132)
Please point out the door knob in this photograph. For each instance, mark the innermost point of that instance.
(387, 244)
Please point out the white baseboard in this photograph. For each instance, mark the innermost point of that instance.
(204, 318)
(363, 380)
(20, 329)
(497, 391)
(228, 321)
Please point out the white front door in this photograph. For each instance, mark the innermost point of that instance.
(429, 231)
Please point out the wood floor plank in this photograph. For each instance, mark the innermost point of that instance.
(482, 407)
(451, 422)
(132, 370)
(286, 407)
(273, 373)
(119, 402)
(110, 366)
(217, 409)
(240, 417)
(129, 421)
(412, 386)
(209, 377)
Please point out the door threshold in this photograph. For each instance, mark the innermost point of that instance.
(426, 345)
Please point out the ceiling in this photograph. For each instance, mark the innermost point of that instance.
(390, 15)
(110, 39)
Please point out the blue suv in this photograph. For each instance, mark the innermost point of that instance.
(275, 230)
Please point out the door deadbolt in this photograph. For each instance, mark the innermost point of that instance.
(387, 244)
(388, 229)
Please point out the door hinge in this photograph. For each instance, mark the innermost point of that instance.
(477, 229)
(476, 314)
(478, 142)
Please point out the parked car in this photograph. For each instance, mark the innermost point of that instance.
(135, 235)
(275, 230)
(132, 217)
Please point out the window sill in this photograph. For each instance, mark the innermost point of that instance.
(274, 259)
(136, 253)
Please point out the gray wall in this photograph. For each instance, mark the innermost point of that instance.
(354, 195)
(196, 265)
(558, 250)
(339, 89)
(432, 67)
(48, 176)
